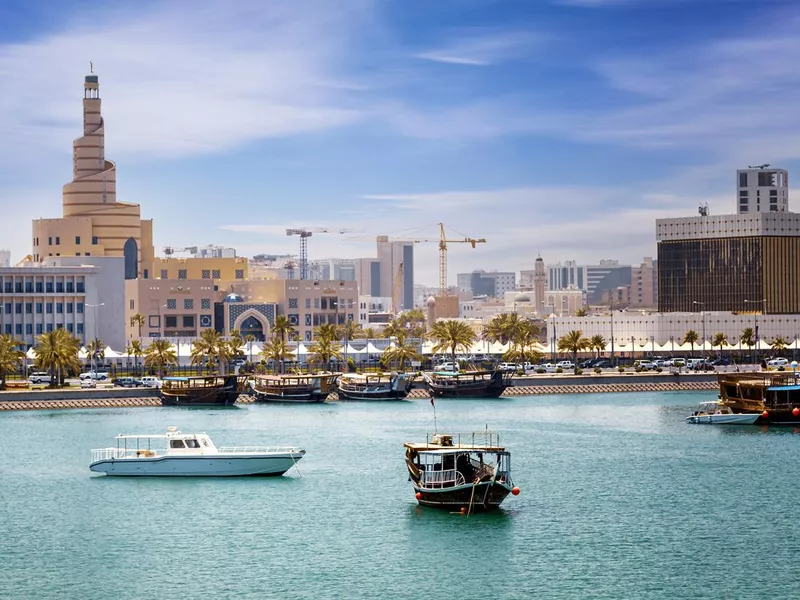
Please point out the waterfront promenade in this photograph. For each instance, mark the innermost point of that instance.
(523, 386)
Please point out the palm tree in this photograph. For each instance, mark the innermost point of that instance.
(779, 344)
(10, 357)
(57, 353)
(324, 349)
(748, 338)
(327, 331)
(283, 327)
(135, 349)
(691, 337)
(159, 354)
(526, 336)
(250, 338)
(598, 343)
(394, 329)
(573, 342)
(235, 343)
(581, 312)
(138, 320)
(401, 352)
(211, 349)
(413, 321)
(96, 349)
(451, 335)
(351, 330)
(278, 351)
(369, 333)
(719, 339)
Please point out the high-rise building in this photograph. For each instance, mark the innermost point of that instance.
(539, 284)
(644, 285)
(94, 223)
(493, 284)
(762, 189)
(593, 279)
(396, 260)
(744, 262)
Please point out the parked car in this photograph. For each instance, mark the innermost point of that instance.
(548, 367)
(152, 382)
(127, 382)
(646, 365)
(88, 383)
(448, 366)
(778, 362)
(675, 362)
(565, 364)
(507, 366)
(39, 377)
(98, 375)
(603, 364)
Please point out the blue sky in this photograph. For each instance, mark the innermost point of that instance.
(564, 127)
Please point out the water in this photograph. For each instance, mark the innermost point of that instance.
(620, 499)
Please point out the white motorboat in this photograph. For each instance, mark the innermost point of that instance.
(190, 455)
(715, 412)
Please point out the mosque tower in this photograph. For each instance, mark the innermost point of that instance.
(539, 284)
(93, 222)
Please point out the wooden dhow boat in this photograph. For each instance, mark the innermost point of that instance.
(774, 396)
(374, 386)
(203, 390)
(468, 384)
(293, 388)
(466, 473)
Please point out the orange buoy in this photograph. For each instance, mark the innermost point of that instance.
(796, 411)
(515, 491)
(765, 414)
(463, 510)
(418, 495)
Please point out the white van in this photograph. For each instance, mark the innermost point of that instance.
(151, 382)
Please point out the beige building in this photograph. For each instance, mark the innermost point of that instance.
(644, 285)
(94, 223)
(172, 308)
(228, 269)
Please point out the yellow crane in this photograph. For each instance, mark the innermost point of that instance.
(443, 241)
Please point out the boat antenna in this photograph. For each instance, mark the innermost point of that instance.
(433, 404)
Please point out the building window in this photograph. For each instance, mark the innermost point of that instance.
(205, 321)
(8, 328)
(79, 308)
(206, 273)
(18, 328)
(205, 303)
(308, 302)
(38, 329)
(131, 303)
(48, 287)
(69, 308)
(8, 308)
(239, 273)
(188, 304)
(28, 328)
(308, 320)
(94, 240)
(316, 302)
(59, 307)
(172, 304)
(145, 273)
(188, 320)
(292, 302)
(308, 336)
(215, 274)
(80, 328)
(77, 240)
(18, 287)
(28, 287)
(8, 287)
(164, 274)
(70, 287)
(59, 287)
(181, 273)
(39, 308)
(50, 241)
(18, 308)
(48, 308)
(171, 322)
(39, 287)
(58, 241)
(29, 308)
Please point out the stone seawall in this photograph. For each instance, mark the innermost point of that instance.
(56, 399)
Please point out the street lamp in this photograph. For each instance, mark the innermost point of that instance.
(96, 330)
(703, 316)
(763, 303)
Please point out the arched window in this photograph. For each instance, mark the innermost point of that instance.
(252, 326)
(131, 253)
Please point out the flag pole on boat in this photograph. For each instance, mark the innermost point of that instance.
(433, 404)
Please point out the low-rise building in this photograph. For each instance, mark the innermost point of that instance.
(210, 269)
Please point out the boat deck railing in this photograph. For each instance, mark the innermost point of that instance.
(112, 453)
(258, 449)
(440, 479)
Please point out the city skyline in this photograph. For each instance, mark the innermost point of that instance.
(530, 124)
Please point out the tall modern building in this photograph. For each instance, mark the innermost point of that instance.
(593, 279)
(493, 284)
(744, 262)
(539, 284)
(396, 260)
(94, 223)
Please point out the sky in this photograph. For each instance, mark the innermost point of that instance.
(556, 127)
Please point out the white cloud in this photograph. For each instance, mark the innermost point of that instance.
(482, 48)
(184, 81)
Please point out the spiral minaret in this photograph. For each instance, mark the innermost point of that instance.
(94, 223)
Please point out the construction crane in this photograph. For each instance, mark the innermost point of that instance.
(396, 287)
(443, 241)
(304, 234)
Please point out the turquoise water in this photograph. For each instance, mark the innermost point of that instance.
(620, 499)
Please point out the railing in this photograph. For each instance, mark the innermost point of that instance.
(259, 449)
(440, 479)
(118, 453)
